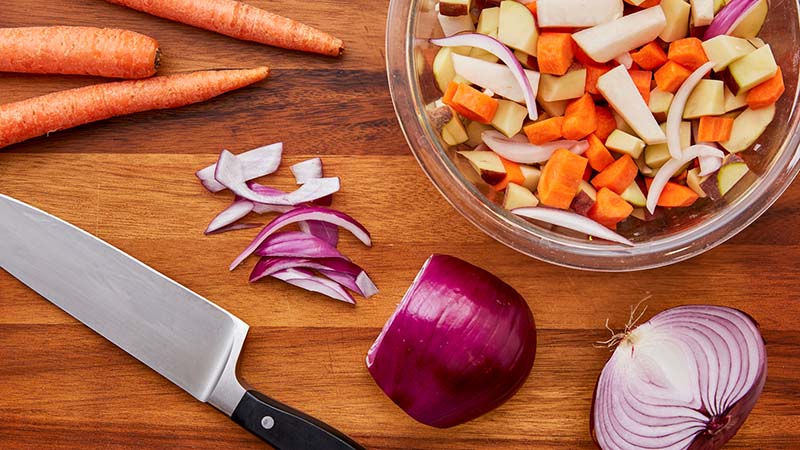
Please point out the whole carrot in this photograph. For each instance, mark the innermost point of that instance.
(52, 112)
(241, 21)
(105, 52)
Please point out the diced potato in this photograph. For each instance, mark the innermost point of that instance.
(474, 130)
(488, 21)
(724, 49)
(694, 182)
(516, 27)
(731, 172)
(702, 12)
(518, 197)
(483, 55)
(751, 24)
(656, 155)
(677, 14)
(622, 142)
(454, 25)
(454, 132)
(487, 164)
(621, 124)
(443, 71)
(554, 88)
(707, 99)
(751, 70)
(748, 127)
(454, 7)
(734, 102)
(553, 109)
(633, 194)
(509, 117)
(659, 103)
(531, 175)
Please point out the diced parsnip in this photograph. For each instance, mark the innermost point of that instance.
(496, 77)
(553, 109)
(621, 124)
(633, 194)
(751, 24)
(577, 13)
(677, 15)
(454, 25)
(454, 132)
(487, 164)
(751, 70)
(553, 88)
(509, 117)
(516, 27)
(659, 103)
(454, 7)
(748, 127)
(606, 41)
(618, 88)
(702, 12)
(622, 142)
(724, 49)
(531, 176)
(518, 197)
(488, 21)
(707, 99)
(657, 154)
(694, 182)
(474, 130)
(734, 102)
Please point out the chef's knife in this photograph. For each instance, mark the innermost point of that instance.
(184, 337)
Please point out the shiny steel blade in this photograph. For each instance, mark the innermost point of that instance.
(179, 334)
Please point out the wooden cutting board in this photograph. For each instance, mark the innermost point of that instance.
(131, 181)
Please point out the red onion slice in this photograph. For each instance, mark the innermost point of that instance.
(571, 220)
(328, 232)
(307, 170)
(729, 17)
(527, 153)
(340, 270)
(302, 214)
(255, 163)
(297, 245)
(238, 209)
(236, 227)
(306, 279)
(499, 50)
(675, 114)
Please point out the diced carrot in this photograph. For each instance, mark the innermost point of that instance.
(593, 72)
(580, 118)
(587, 173)
(513, 175)
(649, 3)
(642, 79)
(606, 124)
(674, 195)
(609, 209)
(650, 57)
(561, 178)
(554, 52)
(671, 76)
(688, 52)
(714, 129)
(544, 131)
(581, 56)
(598, 155)
(767, 92)
(532, 7)
(618, 175)
(470, 102)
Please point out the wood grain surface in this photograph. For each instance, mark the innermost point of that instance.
(130, 181)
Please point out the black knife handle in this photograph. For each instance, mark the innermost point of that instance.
(285, 428)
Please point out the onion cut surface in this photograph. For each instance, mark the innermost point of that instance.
(255, 163)
(686, 379)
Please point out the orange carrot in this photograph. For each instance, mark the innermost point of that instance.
(598, 155)
(513, 175)
(587, 173)
(59, 110)
(642, 79)
(606, 124)
(580, 118)
(671, 76)
(544, 131)
(674, 195)
(618, 175)
(609, 209)
(714, 129)
(554, 52)
(470, 102)
(532, 7)
(561, 178)
(241, 21)
(767, 92)
(103, 52)
(688, 52)
(650, 57)
(593, 72)
(645, 3)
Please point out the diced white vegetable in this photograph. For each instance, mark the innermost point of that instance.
(618, 88)
(706, 99)
(530, 175)
(443, 71)
(516, 27)
(497, 77)
(724, 49)
(606, 41)
(751, 24)
(625, 59)
(734, 102)
(677, 15)
(554, 109)
(747, 128)
(577, 13)
(659, 103)
(518, 197)
(752, 69)
(702, 12)
(509, 117)
(454, 132)
(622, 142)
(633, 194)
(454, 25)
(488, 21)
(553, 88)
(487, 164)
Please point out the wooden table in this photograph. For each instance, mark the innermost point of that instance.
(131, 181)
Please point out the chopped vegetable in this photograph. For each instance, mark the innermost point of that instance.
(617, 176)
(676, 110)
(296, 244)
(496, 77)
(305, 279)
(593, 72)
(606, 41)
(674, 195)
(619, 89)
(470, 103)
(560, 178)
(525, 153)
(714, 129)
(241, 21)
(695, 375)
(576, 13)
(641, 79)
(256, 163)
(102, 52)
(650, 57)
(729, 17)
(544, 131)
(307, 170)
(580, 118)
(606, 123)
(459, 345)
(609, 209)
(688, 52)
(513, 175)
(766, 93)
(598, 155)
(240, 208)
(554, 53)
(671, 76)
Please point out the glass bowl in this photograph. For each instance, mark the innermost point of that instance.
(676, 235)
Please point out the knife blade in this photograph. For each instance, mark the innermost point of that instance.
(184, 337)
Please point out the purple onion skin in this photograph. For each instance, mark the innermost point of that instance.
(460, 344)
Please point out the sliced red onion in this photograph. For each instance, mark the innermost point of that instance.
(572, 221)
(498, 49)
(675, 115)
(686, 379)
(460, 344)
(307, 170)
(302, 214)
(525, 152)
(235, 227)
(729, 17)
(625, 60)
(709, 156)
(255, 163)
(307, 280)
(340, 270)
(238, 209)
(295, 244)
(328, 232)
(365, 284)
(263, 208)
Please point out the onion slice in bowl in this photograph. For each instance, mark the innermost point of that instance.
(255, 163)
(729, 17)
(671, 167)
(306, 279)
(571, 220)
(498, 49)
(675, 114)
(527, 153)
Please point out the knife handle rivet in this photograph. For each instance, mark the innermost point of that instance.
(267, 422)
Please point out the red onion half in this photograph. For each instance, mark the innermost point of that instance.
(460, 344)
(686, 379)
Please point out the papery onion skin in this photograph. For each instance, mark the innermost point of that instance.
(460, 344)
